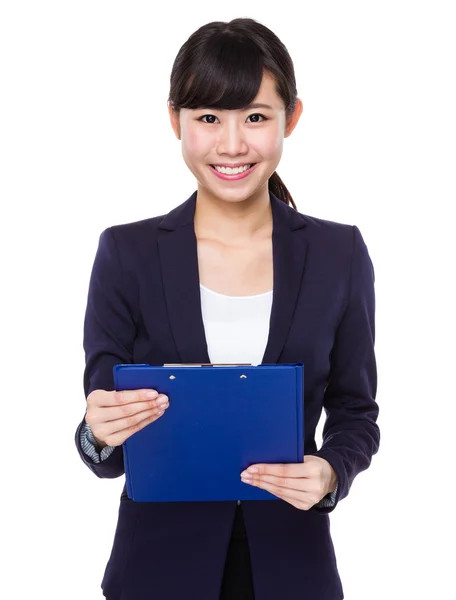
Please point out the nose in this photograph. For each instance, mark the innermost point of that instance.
(231, 139)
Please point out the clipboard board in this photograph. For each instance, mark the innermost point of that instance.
(221, 419)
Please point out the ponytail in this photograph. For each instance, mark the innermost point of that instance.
(278, 188)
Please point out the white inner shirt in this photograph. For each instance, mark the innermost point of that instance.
(236, 327)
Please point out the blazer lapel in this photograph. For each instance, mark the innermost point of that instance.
(178, 257)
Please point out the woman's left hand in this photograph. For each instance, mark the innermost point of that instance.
(300, 484)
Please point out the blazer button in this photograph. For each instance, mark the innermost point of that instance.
(238, 502)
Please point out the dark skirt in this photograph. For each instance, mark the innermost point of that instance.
(237, 579)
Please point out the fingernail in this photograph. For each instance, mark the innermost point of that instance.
(162, 402)
(151, 395)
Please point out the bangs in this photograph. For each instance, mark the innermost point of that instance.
(226, 74)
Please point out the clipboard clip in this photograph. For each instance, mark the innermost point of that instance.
(207, 365)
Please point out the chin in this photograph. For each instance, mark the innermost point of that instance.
(232, 196)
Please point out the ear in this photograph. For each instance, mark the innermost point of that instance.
(174, 119)
(293, 120)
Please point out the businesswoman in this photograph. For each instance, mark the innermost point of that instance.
(235, 273)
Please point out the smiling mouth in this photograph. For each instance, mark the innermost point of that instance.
(249, 165)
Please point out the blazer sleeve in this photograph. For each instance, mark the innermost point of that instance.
(350, 434)
(109, 334)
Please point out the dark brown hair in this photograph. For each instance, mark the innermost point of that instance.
(221, 66)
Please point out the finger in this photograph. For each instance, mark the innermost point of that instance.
(290, 483)
(118, 437)
(128, 396)
(297, 470)
(104, 414)
(109, 428)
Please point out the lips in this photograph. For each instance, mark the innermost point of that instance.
(232, 177)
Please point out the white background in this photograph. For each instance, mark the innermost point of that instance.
(86, 143)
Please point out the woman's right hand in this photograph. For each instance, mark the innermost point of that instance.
(115, 416)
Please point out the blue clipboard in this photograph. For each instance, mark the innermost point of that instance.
(220, 420)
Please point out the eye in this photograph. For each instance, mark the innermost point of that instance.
(214, 117)
(204, 116)
(258, 115)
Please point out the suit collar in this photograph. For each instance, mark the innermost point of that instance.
(177, 246)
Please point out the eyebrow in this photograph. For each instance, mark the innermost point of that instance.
(257, 105)
(249, 107)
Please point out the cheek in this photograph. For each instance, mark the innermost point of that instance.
(268, 145)
(189, 147)
(194, 144)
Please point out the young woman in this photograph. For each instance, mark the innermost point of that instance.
(233, 274)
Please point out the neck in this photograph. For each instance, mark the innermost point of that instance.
(234, 220)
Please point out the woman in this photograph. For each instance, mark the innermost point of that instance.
(233, 274)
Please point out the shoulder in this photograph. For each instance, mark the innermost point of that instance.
(333, 234)
(132, 243)
(325, 226)
(342, 241)
(133, 230)
(133, 237)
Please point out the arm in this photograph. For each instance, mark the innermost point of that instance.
(109, 333)
(350, 433)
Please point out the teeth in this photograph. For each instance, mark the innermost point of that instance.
(230, 171)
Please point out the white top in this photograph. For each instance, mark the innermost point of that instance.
(236, 327)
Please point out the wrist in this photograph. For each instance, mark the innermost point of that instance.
(100, 443)
(333, 482)
(93, 439)
(331, 477)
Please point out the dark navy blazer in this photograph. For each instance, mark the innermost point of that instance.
(144, 307)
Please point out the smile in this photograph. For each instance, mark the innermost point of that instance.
(239, 172)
